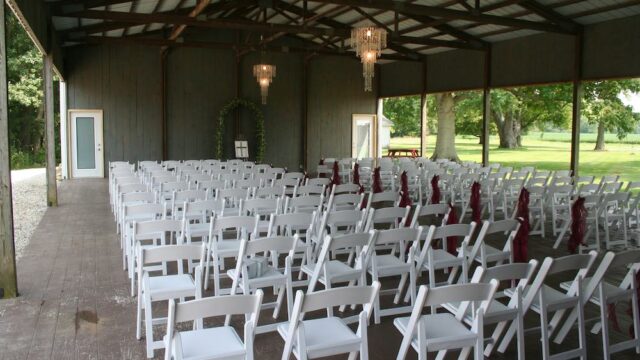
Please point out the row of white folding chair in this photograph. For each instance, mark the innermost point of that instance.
(605, 212)
(577, 262)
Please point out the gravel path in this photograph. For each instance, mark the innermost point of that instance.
(29, 204)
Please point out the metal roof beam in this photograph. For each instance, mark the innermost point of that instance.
(449, 14)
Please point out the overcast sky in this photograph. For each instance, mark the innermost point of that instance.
(633, 100)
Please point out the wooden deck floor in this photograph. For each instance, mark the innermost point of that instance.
(74, 301)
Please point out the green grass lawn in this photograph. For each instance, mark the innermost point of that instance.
(552, 152)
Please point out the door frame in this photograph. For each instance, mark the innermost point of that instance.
(70, 134)
(374, 132)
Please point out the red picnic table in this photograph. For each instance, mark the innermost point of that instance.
(403, 153)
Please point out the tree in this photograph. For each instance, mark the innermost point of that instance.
(24, 76)
(404, 111)
(445, 104)
(604, 108)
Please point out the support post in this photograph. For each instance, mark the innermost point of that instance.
(64, 146)
(8, 279)
(577, 105)
(163, 101)
(424, 129)
(52, 189)
(486, 107)
(305, 86)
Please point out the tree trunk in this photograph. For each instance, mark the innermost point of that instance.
(446, 139)
(600, 138)
(508, 130)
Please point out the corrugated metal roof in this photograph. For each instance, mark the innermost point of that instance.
(584, 12)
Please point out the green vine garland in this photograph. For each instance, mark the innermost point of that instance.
(260, 138)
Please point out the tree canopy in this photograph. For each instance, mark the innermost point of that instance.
(26, 111)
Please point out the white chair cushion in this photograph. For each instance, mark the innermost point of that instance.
(610, 291)
(171, 287)
(389, 265)
(338, 271)
(442, 259)
(213, 343)
(440, 331)
(325, 336)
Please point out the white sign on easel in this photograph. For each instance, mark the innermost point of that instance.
(242, 149)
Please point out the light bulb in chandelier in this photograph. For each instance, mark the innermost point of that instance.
(368, 42)
(264, 74)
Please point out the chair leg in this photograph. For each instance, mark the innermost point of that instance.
(276, 310)
(605, 329)
(544, 327)
(139, 319)
(216, 276)
(488, 350)
(148, 319)
(403, 280)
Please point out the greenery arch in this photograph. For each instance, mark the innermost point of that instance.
(257, 114)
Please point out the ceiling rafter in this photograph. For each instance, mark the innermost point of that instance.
(218, 23)
(221, 45)
(179, 29)
(446, 13)
(550, 14)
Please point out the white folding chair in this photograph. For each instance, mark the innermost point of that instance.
(549, 300)
(307, 203)
(387, 218)
(253, 272)
(432, 259)
(444, 331)
(223, 247)
(345, 202)
(484, 253)
(220, 342)
(438, 211)
(392, 265)
(315, 338)
(165, 286)
(498, 312)
(150, 233)
(329, 272)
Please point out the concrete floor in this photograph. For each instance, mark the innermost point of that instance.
(74, 301)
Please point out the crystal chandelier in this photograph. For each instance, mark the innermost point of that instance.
(264, 73)
(368, 42)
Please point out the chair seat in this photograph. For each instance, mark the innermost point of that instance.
(493, 254)
(611, 292)
(270, 276)
(496, 312)
(441, 331)
(213, 343)
(338, 271)
(171, 287)
(442, 259)
(389, 265)
(553, 298)
(325, 336)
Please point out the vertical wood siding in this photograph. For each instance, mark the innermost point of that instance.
(336, 92)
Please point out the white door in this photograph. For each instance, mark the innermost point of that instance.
(87, 159)
(363, 139)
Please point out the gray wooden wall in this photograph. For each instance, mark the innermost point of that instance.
(124, 82)
(199, 83)
(336, 92)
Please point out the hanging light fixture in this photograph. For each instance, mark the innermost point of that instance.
(368, 42)
(264, 73)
